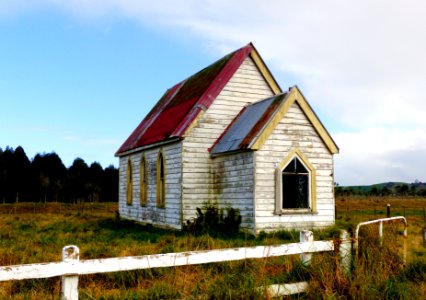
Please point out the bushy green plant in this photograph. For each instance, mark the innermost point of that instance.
(217, 222)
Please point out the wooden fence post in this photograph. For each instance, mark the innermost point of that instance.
(70, 254)
(306, 236)
(388, 211)
(345, 251)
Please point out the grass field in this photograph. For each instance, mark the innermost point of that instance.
(34, 233)
(353, 210)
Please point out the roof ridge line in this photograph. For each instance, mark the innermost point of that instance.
(215, 87)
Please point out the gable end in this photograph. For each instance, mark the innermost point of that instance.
(295, 96)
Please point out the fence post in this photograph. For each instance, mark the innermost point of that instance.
(424, 237)
(388, 212)
(306, 236)
(381, 233)
(345, 252)
(70, 254)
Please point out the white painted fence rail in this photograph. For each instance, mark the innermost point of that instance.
(71, 266)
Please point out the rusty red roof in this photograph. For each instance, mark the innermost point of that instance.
(181, 104)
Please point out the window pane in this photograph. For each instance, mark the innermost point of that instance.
(295, 191)
(295, 166)
(161, 184)
(143, 182)
(129, 194)
(299, 167)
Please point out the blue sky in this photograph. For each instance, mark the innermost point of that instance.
(76, 77)
(78, 88)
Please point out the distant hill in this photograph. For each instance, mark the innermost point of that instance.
(386, 188)
(367, 188)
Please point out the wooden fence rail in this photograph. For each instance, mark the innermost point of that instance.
(71, 266)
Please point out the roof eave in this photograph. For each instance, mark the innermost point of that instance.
(145, 147)
(318, 125)
(213, 155)
(261, 136)
(264, 70)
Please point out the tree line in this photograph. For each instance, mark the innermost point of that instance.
(45, 178)
(398, 190)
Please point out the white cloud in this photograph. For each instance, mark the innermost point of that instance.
(361, 64)
(379, 154)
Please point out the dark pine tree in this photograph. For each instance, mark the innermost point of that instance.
(7, 188)
(20, 175)
(48, 176)
(109, 188)
(2, 178)
(94, 182)
(78, 175)
(45, 178)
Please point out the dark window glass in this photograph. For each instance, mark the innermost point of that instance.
(295, 166)
(295, 185)
(161, 182)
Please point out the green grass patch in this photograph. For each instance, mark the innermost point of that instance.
(34, 237)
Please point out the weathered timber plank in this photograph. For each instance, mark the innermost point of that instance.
(107, 265)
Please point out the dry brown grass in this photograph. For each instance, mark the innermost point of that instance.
(36, 233)
(365, 202)
(359, 209)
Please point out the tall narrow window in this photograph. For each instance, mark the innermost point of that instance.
(129, 185)
(295, 184)
(143, 181)
(161, 181)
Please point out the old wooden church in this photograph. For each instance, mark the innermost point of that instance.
(229, 135)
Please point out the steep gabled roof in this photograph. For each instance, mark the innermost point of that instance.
(253, 125)
(181, 104)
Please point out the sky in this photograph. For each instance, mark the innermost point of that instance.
(76, 77)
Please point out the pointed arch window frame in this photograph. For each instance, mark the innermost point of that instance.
(161, 180)
(129, 182)
(279, 201)
(143, 181)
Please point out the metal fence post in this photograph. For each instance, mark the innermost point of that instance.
(306, 236)
(70, 254)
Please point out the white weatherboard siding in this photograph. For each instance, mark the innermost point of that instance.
(169, 216)
(234, 184)
(247, 85)
(294, 130)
